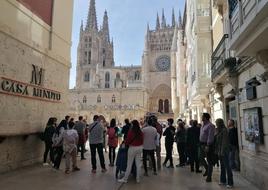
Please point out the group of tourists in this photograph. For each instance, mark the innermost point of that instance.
(197, 144)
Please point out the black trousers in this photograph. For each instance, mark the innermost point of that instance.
(112, 154)
(81, 147)
(93, 149)
(194, 159)
(169, 149)
(144, 158)
(58, 155)
(208, 164)
(182, 152)
(48, 148)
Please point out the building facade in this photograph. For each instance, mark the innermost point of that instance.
(239, 73)
(35, 61)
(122, 92)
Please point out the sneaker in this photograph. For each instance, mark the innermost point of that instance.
(93, 171)
(138, 180)
(45, 164)
(122, 180)
(170, 166)
(83, 158)
(229, 186)
(198, 171)
(103, 170)
(221, 183)
(76, 169)
(67, 171)
(208, 179)
(205, 174)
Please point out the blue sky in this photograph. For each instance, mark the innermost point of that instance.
(128, 23)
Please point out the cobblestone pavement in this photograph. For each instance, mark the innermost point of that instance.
(39, 177)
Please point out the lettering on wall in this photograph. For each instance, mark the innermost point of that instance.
(33, 90)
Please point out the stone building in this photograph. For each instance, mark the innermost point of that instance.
(121, 92)
(239, 73)
(198, 48)
(35, 41)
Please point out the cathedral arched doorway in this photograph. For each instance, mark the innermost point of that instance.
(160, 99)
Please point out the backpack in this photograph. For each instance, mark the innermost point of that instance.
(57, 138)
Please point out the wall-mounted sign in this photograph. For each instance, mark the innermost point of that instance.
(33, 90)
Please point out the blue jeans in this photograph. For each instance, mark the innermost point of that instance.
(226, 169)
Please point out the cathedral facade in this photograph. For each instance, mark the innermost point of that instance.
(116, 91)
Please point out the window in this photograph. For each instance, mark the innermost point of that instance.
(87, 77)
(103, 62)
(89, 57)
(107, 80)
(137, 75)
(160, 106)
(113, 99)
(42, 9)
(99, 99)
(166, 106)
(84, 99)
(117, 75)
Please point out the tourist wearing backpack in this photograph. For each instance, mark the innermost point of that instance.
(112, 141)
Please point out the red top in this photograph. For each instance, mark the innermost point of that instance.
(134, 140)
(112, 137)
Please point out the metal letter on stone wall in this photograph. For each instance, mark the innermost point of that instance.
(37, 75)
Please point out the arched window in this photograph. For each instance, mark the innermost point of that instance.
(160, 106)
(166, 106)
(137, 75)
(107, 80)
(117, 75)
(113, 99)
(99, 99)
(87, 77)
(84, 99)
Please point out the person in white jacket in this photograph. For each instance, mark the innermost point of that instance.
(70, 141)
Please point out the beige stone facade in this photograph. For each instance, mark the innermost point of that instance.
(122, 92)
(34, 74)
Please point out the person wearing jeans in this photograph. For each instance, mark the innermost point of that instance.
(135, 141)
(96, 144)
(222, 149)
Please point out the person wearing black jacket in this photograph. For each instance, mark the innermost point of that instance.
(126, 128)
(234, 146)
(169, 140)
(193, 144)
(48, 134)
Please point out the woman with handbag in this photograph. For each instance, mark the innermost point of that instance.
(135, 141)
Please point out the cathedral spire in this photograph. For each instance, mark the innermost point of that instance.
(163, 23)
(173, 18)
(105, 27)
(174, 40)
(92, 17)
(180, 20)
(157, 27)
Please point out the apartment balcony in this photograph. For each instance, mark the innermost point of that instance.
(248, 26)
(218, 69)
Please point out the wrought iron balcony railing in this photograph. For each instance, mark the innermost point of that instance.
(218, 57)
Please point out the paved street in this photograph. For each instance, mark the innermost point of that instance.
(44, 178)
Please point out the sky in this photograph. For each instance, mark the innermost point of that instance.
(128, 24)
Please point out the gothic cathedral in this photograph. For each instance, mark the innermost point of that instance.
(122, 91)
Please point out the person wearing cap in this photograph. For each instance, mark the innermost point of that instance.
(169, 140)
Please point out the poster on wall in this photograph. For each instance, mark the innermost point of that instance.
(253, 125)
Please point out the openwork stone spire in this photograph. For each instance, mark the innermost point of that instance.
(92, 17)
(163, 23)
(157, 27)
(105, 27)
(173, 18)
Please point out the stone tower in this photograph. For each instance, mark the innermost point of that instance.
(95, 50)
(156, 63)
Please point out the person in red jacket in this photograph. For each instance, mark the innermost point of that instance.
(135, 141)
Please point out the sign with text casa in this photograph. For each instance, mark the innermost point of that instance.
(32, 90)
